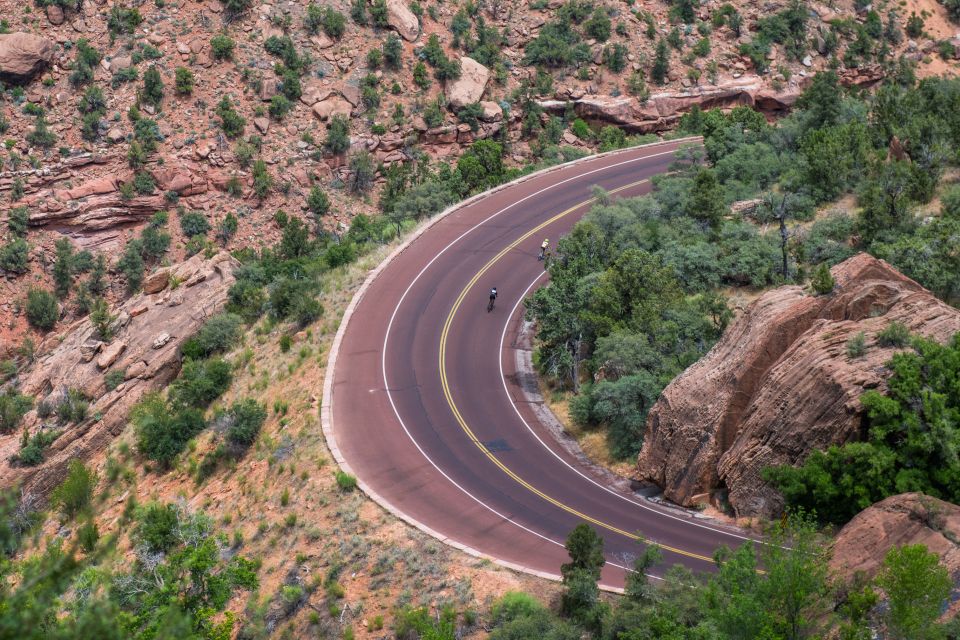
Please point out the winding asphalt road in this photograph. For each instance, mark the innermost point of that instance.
(423, 399)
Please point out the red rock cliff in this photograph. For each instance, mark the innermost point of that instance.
(779, 384)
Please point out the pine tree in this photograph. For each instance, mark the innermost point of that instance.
(706, 199)
(97, 283)
(661, 63)
(823, 281)
(152, 87)
(62, 271)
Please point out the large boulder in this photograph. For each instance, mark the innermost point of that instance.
(23, 55)
(909, 518)
(779, 385)
(334, 105)
(471, 84)
(402, 19)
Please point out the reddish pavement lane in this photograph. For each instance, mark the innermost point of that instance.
(516, 498)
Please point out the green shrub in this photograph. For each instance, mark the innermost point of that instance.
(218, 334)
(221, 46)
(143, 183)
(340, 254)
(154, 241)
(157, 526)
(152, 92)
(230, 121)
(470, 114)
(15, 256)
(895, 334)
(42, 136)
(75, 495)
(661, 63)
(284, 48)
(101, 319)
(280, 106)
(131, 265)
(378, 13)
(612, 137)
(420, 76)
(248, 417)
(87, 535)
(513, 605)
(285, 343)
(857, 345)
(194, 223)
(73, 406)
(183, 81)
(363, 171)
(114, 378)
(17, 221)
(32, 448)
(262, 180)
(235, 8)
(334, 23)
(598, 26)
(338, 135)
(42, 309)
(123, 20)
(85, 63)
(393, 52)
(358, 11)
(345, 481)
(13, 406)
(823, 282)
(581, 129)
(200, 382)
(162, 430)
(557, 45)
(615, 57)
(914, 27)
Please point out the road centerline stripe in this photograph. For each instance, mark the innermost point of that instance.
(466, 428)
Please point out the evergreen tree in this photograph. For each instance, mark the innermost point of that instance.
(62, 268)
(152, 92)
(97, 283)
(706, 199)
(661, 63)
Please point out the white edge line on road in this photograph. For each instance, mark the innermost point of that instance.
(326, 406)
(626, 498)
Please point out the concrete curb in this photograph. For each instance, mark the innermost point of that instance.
(326, 403)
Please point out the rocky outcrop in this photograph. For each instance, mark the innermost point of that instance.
(98, 204)
(909, 518)
(662, 111)
(403, 20)
(471, 84)
(780, 384)
(149, 331)
(23, 55)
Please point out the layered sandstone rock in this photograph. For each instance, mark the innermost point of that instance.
(780, 384)
(909, 518)
(149, 331)
(23, 55)
(662, 111)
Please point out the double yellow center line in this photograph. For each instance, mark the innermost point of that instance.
(466, 428)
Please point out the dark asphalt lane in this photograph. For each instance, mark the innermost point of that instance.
(460, 458)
